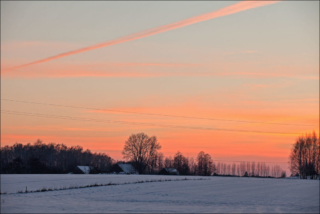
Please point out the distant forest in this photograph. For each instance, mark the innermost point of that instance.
(49, 158)
(40, 158)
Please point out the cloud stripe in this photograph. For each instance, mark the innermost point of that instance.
(238, 7)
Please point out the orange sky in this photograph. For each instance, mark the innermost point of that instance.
(258, 66)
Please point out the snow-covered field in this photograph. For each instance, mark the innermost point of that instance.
(218, 194)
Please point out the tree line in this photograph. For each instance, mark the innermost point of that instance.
(50, 158)
(143, 152)
(204, 166)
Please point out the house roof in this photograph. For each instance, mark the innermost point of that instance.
(127, 168)
(85, 169)
(171, 170)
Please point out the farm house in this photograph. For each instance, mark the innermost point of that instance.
(124, 168)
(82, 170)
(169, 171)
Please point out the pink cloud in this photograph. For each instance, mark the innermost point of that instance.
(235, 8)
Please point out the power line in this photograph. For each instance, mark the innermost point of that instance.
(153, 114)
(136, 123)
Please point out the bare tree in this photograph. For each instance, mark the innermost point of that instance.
(219, 168)
(193, 166)
(140, 150)
(224, 169)
(304, 158)
(160, 161)
(316, 153)
(248, 168)
(268, 170)
(181, 163)
(229, 169)
(233, 169)
(168, 162)
(238, 170)
(204, 164)
(258, 169)
(178, 161)
(154, 161)
(242, 168)
(214, 168)
(276, 171)
(253, 167)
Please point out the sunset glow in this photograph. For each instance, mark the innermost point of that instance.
(239, 84)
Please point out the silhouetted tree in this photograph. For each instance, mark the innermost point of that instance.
(304, 158)
(156, 163)
(181, 163)
(253, 167)
(192, 166)
(242, 168)
(160, 161)
(214, 168)
(238, 170)
(168, 162)
(204, 166)
(140, 149)
(233, 169)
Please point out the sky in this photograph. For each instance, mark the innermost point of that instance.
(246, 84)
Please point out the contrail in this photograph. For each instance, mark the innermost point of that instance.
(238, 7)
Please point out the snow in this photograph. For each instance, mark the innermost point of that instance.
(219, 194)
(14, 183)
(293, 177)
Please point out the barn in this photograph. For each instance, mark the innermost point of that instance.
(124, 168)
(169, 171)
(82, 170)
